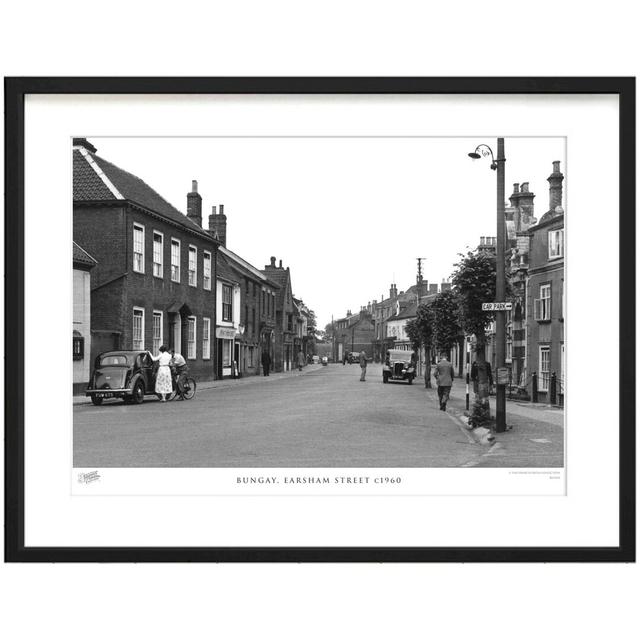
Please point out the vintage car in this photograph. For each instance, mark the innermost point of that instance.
(399, 365)
(315, 359)
(324, 360)
(122, 374)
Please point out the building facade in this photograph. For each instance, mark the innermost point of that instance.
(154, 281)
(545, 297)
(284, 331)
(256, 314)
(83, 263)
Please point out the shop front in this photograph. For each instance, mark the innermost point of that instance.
(225, 352)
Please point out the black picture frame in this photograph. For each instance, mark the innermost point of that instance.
(15, 91)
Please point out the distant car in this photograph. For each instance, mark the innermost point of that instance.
(398, 365)
(315, 359)
(121, 374)
(353, 357)
(325, 361)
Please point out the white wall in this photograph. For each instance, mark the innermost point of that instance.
(82, 322)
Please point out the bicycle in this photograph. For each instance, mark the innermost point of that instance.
(188, 386)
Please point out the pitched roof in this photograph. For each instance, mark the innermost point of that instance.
(80, 256)
(280, 277)
(89, 185)
(243, 267)
(223, 268)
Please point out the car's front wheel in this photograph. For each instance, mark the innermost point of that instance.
(96, 401)
(385, 378)
(410, 379)
(138, 392)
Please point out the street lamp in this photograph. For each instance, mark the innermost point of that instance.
(497, 164)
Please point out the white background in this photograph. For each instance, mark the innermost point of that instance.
(587, 516)
(319, 601)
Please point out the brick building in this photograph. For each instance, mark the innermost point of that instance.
(545, 295)
(354, 332)
(83, 263)
(256, 313)
(284, 330)
(154, 281)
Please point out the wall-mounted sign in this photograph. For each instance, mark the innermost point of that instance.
(226, 333)
(497, 306)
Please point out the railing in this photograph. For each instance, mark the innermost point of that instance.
(553, 388)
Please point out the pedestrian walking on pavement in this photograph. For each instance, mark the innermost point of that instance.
(444, 375)
(301, 360)
(164, 386)
(363, 365)
(266, 363)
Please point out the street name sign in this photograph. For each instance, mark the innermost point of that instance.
(497, 306)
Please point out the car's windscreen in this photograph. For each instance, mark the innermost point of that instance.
(114, 360)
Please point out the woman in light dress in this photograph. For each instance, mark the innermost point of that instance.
(163, 377)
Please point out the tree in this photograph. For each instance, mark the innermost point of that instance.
(446, 321)
(474, 282)
(420, 332)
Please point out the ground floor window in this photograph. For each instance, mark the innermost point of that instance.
(206, 338)
(157, 331)
(545, 359)
(138, 329)
(191, 337)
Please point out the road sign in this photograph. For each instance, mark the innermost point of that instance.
(502, 375)
(497, 306)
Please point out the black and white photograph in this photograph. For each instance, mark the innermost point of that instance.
(319, 302)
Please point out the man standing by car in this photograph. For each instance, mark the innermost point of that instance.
(180, 366)
(266, 363)
(363, 365)
(444, 376)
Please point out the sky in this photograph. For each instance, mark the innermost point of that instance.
(349, 216)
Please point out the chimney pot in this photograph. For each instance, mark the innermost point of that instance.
(524, 187)
(273, 261)
(555, 186)
(194, 204)
(280, 264)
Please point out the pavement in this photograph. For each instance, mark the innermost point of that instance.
(535, 432)
(320, 417)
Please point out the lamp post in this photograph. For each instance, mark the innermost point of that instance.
(497, 164)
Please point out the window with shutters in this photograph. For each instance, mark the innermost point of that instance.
(543, 303)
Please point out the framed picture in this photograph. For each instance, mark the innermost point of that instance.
(320, 319)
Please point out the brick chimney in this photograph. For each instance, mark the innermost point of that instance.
(433, 288)
(522, 201)
(273, 262)
(218, 225)
(555, 186)
(194, 204)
